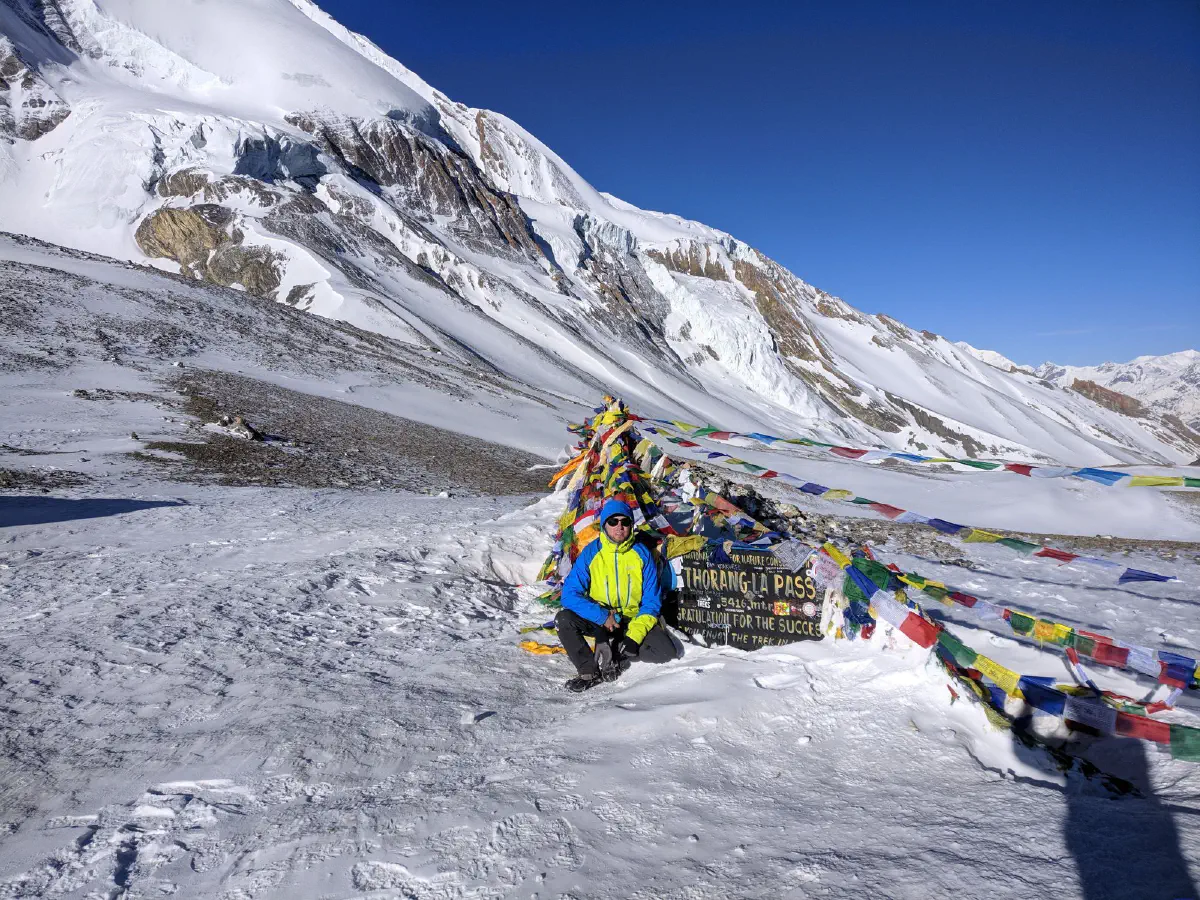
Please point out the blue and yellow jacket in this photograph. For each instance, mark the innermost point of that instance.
(618, 578)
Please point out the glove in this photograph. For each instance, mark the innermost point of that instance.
(629, 648)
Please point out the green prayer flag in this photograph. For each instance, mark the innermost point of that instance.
(976, 464)
(1084, 645)
(1191, 482)
(963, 655)
(1185, 743)
(1021, 624)
(879, 574)
(705, 431)
(862, 501)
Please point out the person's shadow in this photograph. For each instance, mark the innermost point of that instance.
(23, 510)
(1125, 847)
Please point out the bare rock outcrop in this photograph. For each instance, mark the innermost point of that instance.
(29, 107)
(429, 177)
(206, 243)
(1108, 398)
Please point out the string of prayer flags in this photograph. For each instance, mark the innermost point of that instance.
(1172, 669)
(965, 533)
(1105, 477)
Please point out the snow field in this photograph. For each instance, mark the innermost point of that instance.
(290, 693)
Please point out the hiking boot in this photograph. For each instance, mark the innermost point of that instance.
(606, 662)
(581, 683)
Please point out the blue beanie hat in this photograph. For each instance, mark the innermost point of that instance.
(614, 507)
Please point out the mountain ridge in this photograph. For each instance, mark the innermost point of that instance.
(323, 174)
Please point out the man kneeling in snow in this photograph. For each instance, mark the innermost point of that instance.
(612, 594)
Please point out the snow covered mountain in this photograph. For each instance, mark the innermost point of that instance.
(259, 145)
(1167, 385)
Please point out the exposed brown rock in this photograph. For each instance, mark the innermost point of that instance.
(184, 183)
(487, 152)
(1108, 398)
(199, 240)
(778, 303)
(833, 308)
(699, 261)
(179, 234)
(433, 180)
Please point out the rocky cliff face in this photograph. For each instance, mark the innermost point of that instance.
(1110, 399)
(375, 199)
(29, 108)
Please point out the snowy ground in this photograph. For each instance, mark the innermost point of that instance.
(252, 692)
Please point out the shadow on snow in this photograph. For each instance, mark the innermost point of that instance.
(23, 510)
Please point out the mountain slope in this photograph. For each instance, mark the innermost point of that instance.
(259, 145)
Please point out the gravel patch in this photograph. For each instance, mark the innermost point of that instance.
(318, 442)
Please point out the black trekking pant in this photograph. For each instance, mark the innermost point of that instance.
(657, 646)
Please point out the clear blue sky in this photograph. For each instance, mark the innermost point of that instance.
(1021, 175)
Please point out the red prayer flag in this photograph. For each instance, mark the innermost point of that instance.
(720, 435)
(1019, 468)
(1062, 555)
(688, 444)
(1111, 655)
(919, 630)
(1166, 678)
(964, 599)
(1141, 727)
(847, 452)
(770, 473)
(885, 509)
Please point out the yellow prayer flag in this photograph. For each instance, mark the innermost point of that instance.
(1043, 631)
(837, 555)
(978, 536)
(585, 537)
(679, 545)
(837, 494)
(541, 649)
(1006, 679)
(1062, 633)
(1156, 481)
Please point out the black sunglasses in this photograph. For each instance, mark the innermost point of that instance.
(620, 521)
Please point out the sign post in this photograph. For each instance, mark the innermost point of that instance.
(749, 602)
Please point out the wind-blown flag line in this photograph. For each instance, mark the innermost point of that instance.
(1172, 669)
(964, 533)
(1030, 470)
(1087, 707)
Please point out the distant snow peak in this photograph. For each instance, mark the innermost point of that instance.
(1168, 385)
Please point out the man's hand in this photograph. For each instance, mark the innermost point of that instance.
(628, 648)
(611, 622)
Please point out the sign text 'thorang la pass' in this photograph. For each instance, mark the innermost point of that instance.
(749, 602)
